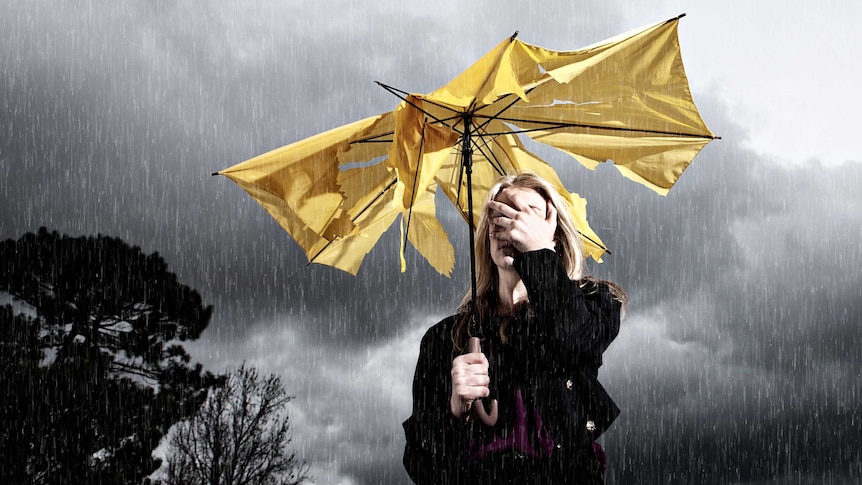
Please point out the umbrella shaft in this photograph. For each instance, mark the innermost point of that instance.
(467, 165)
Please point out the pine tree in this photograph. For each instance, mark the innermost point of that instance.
(96, 374)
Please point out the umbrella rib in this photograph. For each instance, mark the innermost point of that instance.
(455, 117)
(553, 125)
(376, 138)
(415, 183)
(492, 159)
(460, 177)
(353, 219)
(379, 137)
(496, 116)
(588, 238)
(402, 95)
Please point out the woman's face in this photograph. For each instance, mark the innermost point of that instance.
(502, 252)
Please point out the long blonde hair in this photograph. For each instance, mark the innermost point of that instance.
(566, 238)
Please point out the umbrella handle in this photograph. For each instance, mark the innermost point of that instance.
(489, 419)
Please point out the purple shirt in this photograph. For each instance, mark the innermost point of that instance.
(524, 435)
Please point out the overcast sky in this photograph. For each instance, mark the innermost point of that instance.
(740, 359)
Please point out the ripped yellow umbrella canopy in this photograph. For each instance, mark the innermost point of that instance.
(624, 100)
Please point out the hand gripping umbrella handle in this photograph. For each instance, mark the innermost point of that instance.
(479, 408)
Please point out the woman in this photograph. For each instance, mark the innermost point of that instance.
(544, 327)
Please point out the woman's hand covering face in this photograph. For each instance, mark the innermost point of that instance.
(523, 219)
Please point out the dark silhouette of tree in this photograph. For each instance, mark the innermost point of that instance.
(99, 292)
(93, 374)
(19, 355)
(239, 436)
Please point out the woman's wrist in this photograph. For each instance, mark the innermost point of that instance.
(457, 408)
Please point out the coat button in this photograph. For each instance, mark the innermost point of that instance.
(591, 425)
(569, 384)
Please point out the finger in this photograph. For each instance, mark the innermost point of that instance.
(477, 369)
(471, 390)
(473, 393)
(501, 235)
(479, 358)
(519, 203)
(502, 223)
(464, 377)
(466, 386)
(502, 209)
(552, 213)
(463, 385)
(471, 358)
(479, 381)
(478, 393)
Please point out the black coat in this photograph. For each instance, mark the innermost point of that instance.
(558, 348)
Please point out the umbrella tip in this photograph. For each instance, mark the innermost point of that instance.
(681, 16)
(214, 174)
(512, 38)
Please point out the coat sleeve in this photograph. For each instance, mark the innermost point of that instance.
(436, 440)
(567, 326)
(562, 346)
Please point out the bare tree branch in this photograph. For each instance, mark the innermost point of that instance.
(239, 437)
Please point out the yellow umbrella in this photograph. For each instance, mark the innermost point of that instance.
(625, 99)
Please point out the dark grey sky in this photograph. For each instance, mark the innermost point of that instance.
(739, 361)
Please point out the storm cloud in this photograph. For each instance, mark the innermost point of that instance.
(739, 361)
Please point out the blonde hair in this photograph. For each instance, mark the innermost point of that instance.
(566, 238)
